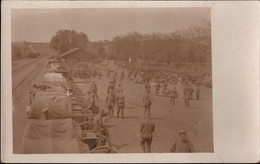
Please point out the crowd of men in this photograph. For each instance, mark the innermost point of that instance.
(83, 71)
(116, 99)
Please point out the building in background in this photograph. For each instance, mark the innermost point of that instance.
(77, 55)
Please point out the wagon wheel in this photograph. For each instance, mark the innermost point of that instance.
(104, 149)
(102, 140)
(89, 126)
(88, 117)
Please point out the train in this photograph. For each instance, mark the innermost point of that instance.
(32, 55)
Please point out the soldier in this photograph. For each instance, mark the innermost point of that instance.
(183, 144)
(180, 81)
(78, 72)
(157, 88)
(92, 103)
(174, 95)
(108, 72)
(85, 73)
(164, 86)
(110, 102)
(186, 96)
(191, 91)
(122, 76)
(147, 85)
(81, 72)
(98, 120)
(120, 99)
(111, 86)
(147, 103)
(147, 129)
(114, 80)
(198, 92)
(73, 72)
(119, 89)
(93, 86)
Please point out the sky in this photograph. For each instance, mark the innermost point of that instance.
(39, 25)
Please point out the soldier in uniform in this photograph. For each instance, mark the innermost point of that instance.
(183, 144)
(92, 103)
(120, 99)
(122, 76)
(147, 103)
(174, 95)
(147, 129)
(157, 88)
(93, 87)
(114, 80)
(111, 86)
(110, 102)
(108, 72)
(186, 96)
(191, 91)
(164, 86)
(198, 92)
(98, 120)
(119, 89)
(147, 85)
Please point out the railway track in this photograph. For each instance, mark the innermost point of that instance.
(27, 63)
(24, 76)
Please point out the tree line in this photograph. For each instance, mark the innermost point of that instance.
(187, 45)
(183, 46)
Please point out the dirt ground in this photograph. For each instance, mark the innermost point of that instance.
(168, 118)
(125, 133)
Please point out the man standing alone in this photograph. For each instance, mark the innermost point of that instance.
(147, 103)
(198, 92)
(120, 99)
(93, 87)
(186, 96)
(183, 144)
(147, 129)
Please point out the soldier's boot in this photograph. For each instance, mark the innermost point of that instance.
(143, 148)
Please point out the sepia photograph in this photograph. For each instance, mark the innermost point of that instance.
(111, 80)
(130, 82)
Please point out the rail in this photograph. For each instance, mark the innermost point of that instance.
(15, 70)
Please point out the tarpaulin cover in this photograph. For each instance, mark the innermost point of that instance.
(52, 136)
(37, 108)
(58, 107)
(54, 79)
(48, 95)
(53, 84)
(56, 89)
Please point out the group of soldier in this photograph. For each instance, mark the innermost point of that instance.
(83, 71)
(182, 144)
(116, 98)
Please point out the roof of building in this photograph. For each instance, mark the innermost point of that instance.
(73, 50)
